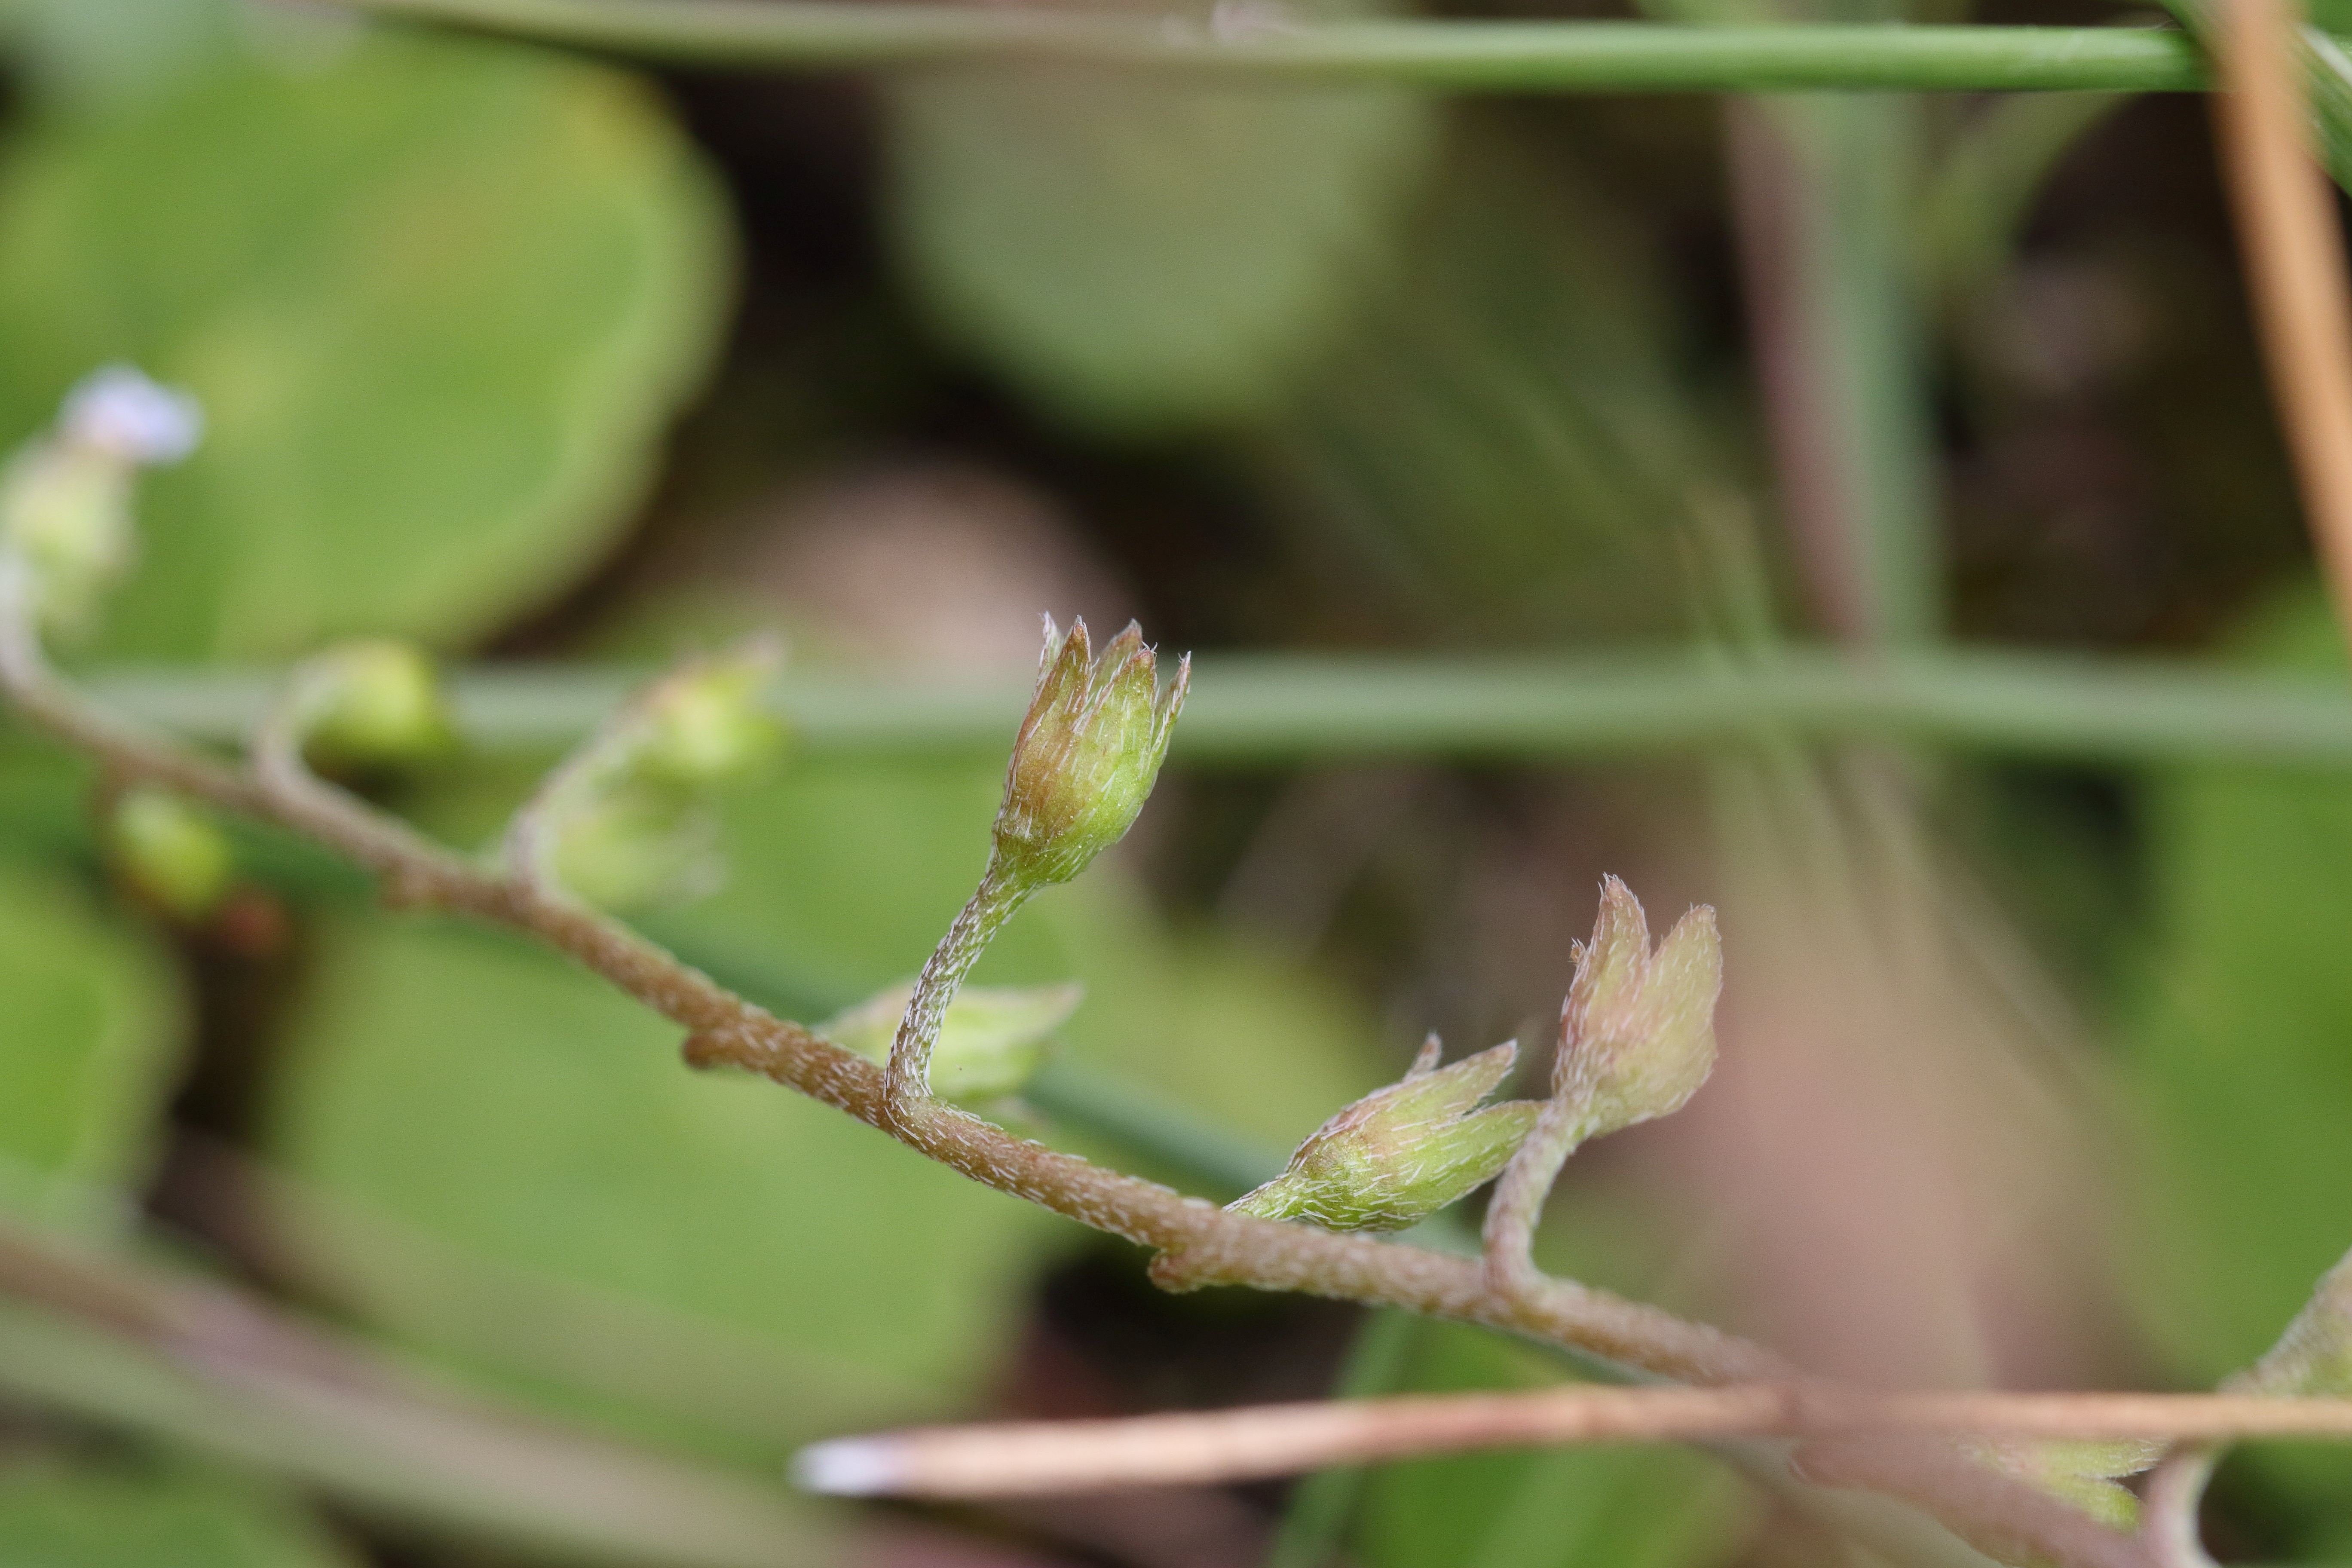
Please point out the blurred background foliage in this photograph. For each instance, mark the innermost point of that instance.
(2036, 1076)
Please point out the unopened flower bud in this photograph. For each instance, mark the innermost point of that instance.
(1401, 1153)
(708, 726)
(2085, 1473)
(1637, 1033)
(168, 851)
(991, 1043)
(2313, 1358)
(1088, 754)
(378, 701)
(635, 847)
(65, 501)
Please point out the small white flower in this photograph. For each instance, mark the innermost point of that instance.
(117, 410)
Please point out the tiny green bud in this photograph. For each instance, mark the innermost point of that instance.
(378, 701)
(1637, 1032)
(707, 726)
(1401, 1153)
(2084, 1472)
(2314, 1358)
(991, 1040)
(169, 851)
(626, 819)
(637, 845)
(1087, 755)
(65, 500)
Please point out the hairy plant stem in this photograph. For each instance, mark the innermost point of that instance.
(908, 1080)
(1518, 1198)
(1199, 1243)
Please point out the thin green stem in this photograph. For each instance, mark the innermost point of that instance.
(1270, 709)
(1453, 55)
(1825, 210)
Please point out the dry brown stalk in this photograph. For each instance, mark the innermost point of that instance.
(1197, 1243)
(2293, 247)
(1024, 1458)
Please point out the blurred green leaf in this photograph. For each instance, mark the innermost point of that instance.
(1140, 255)
(1628, 1508)
(53, 1516)
(492, 1096)
(2241, 1053)
(438, 299)
(95, 53)
(89, 1030)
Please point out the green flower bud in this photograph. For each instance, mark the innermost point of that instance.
(65, 500)
(1086, 756)
(991, 1040)
(637, 844)
(1637, 1033)
(626, 819)
(1401, 1153)
(378, 701)
(2314, 1358)
(707, 726)
(2084, 1472)
(169, 851)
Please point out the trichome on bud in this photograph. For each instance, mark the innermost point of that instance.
(1637, 1031)
(2312, 1360)
(1087, 754)
(1401, 1153)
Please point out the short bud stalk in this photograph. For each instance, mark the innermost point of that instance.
(1637, 1041)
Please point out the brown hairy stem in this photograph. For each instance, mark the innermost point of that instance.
(1200, 1244)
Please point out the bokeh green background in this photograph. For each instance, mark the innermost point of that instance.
(512, 352)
